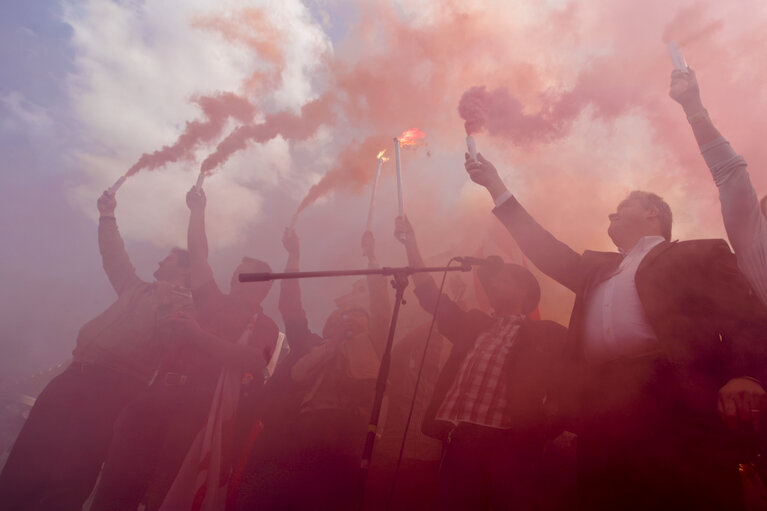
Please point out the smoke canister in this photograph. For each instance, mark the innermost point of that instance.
(472, 146)
(676, 57)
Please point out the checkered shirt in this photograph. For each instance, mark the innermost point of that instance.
(478, 394)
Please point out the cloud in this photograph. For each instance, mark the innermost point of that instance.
(596, 73)
(23, 115)
(140, 72)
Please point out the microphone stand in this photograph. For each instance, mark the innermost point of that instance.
(399, 283)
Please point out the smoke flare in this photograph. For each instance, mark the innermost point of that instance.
(287, 124)
(351, 172)
(217, 110)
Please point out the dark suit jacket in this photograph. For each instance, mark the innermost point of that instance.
(709, 323)
(531, 368)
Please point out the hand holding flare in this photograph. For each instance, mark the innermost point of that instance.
(113, 189)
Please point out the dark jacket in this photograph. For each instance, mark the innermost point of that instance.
(531, 367)
(709, 323)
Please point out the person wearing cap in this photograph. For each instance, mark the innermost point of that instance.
(488, 405)
(664, 334)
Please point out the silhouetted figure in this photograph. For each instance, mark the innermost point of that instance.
(664, 333)
(488, 404)
(317, 466)
(58, 454)
(154, 433)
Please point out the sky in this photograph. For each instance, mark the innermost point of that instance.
(319, 88)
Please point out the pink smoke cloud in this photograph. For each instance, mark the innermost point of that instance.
(287, 124)
(217, 109)
(580, 91)
(691, 23)
(251, 27)
(353, 170)
(501, 114)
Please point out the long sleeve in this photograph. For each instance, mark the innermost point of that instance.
(746, 226)
(456, 324)
(294, 316)
(550, 255)
(117, 265)
(197, 243)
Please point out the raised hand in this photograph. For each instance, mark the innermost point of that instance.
(484, 173)
(106, 204)
(290, 241)
(195, 198)
(741, 403)
(684, 90)
(403, 231)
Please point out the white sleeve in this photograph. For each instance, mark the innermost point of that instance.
(746, 226)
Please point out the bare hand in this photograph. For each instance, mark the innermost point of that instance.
(290, 241)
(368, 245)
(195, 199)
(741, 402)
(106, 204)
(403, 231)
(684, 90)
(484, 173)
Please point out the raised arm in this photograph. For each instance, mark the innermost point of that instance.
(117, 265)
(550, 255)
(743, 219)
(297, 330)
(197, 240)
(292, 311)
(454, 323)
(404, 233)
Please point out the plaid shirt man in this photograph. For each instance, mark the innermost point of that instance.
(478, 394)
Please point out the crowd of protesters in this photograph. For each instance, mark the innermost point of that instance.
(181, 397)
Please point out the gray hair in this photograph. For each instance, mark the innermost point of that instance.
(651, 201)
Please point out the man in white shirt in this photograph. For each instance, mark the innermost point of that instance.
(664, 334)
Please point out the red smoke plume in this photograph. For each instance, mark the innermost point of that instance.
(502, 114)
(353, 170)
(217, 110)
(248, 26)
(287, 124)
(252, 28)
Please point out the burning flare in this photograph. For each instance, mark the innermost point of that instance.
(412, 137)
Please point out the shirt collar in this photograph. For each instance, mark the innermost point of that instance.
(644, 245)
